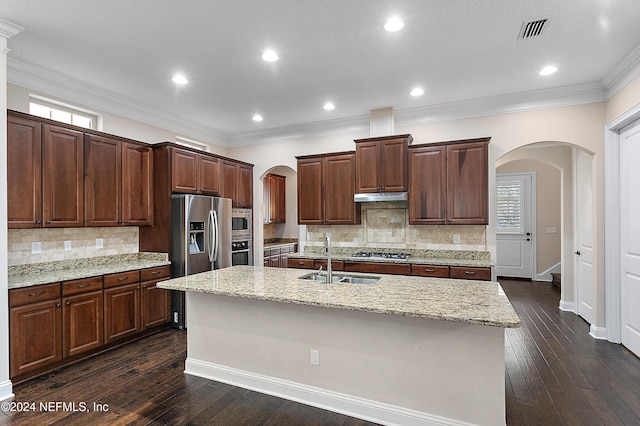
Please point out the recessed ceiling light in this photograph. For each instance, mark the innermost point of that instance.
(257, 117)
(270, 56)
(179, 79)
(329, 106)
(417, 92)
(548, 70)
(394, 24)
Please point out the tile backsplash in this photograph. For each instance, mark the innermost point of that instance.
(386, 225)
(116, 240)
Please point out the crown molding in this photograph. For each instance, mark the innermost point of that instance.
(9, 29)
(623, 73)
(57, 85)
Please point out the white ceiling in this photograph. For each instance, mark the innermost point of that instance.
(120, 55)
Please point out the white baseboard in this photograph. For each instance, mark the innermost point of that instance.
(567, 306)
(546, 275)
(349, 405)
(599, 333)
(6, 390)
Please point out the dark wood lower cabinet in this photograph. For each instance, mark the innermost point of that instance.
(380, 268)
(82, 323)
(121, 312)
(53, 324)
(35, 336)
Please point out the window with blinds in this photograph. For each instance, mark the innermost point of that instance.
(510, 207)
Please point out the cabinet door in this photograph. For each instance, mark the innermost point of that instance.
(310, 191)
(427, 185)
(137, 185)
(340, 209)
(121, 312)
(24, 173)
(184, 171)
(368, 163)
(102, 186)
(63, 177)
(467, 184)
(277, 198)
(244, 193)
(209, 175)
(393, 163)
(35, 336)
(156, 305)
(228, 177)
(82, 323)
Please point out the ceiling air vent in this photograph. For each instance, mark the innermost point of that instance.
(532, 29)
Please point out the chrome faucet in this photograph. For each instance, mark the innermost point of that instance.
(327, 249)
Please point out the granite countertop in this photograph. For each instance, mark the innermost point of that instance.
(51, 272)
(273, 242)
(464, 301)
(429, 257)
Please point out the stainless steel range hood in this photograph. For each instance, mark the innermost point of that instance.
(380, 196)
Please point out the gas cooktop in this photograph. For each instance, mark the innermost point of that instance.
(381, 255)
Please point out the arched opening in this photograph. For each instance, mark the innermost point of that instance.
(563, 216)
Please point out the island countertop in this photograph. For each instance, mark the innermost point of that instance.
(464, 301)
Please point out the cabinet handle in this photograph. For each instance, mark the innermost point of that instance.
(58, 305)
(429, 270)
(449, 220)
(38, 222)
(36, 294)
(83, 285)
(123, 279)
(48, 222)
(68, 303)
(155, 272)
(300, 263)
(144, 286)
(469, 273)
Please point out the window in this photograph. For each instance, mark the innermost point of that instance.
(192, 144)
(509, 207)
(69, 114)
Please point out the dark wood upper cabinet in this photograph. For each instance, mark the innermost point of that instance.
(209, 170)
(326, 186)
(102, 184)
(381, 164)
(24, 172)
(184, 171)
(62, 177)
(428, 185)
(274, 196)
(468, 183)
(237, 183)
(311, 190)
(137, 184)
(448, 183)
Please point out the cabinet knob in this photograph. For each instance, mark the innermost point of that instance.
(48, 222)
(58, 305)
(68, 303)
(38, 222)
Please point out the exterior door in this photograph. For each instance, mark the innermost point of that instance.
(630, 236)
(515, 236)
(584, 254)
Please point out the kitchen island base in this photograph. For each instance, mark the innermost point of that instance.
(384, 368)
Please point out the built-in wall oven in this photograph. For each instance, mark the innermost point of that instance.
(241, 237)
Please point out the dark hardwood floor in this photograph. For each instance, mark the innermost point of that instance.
(556, 374)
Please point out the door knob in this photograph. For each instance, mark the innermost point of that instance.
(578, 253)
(528, 233)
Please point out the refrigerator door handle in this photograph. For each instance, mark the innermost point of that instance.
(213, 216)
(212, 235)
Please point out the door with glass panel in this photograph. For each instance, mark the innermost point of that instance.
(515, 243)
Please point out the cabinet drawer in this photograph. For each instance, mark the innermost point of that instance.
(380, 268)
(465, 273)
(81, 286)
(430, 271)
(336, 265)
(271, 251)
(155, 273)
(39, 293)
(122, 278)
(300, 263)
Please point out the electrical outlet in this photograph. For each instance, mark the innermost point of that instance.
(36, 247)
(456, 238)
(551, 230)
(315, 357)
(99, 243)
(67, 246)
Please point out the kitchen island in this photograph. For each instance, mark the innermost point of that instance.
(405, 350)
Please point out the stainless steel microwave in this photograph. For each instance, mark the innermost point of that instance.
(241, 224)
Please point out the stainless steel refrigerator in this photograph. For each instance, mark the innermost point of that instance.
(200, 241)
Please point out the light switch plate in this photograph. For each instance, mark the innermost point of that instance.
(99, 243)
(36, 247)
(551, 230)
(456, 238)
(67, 246)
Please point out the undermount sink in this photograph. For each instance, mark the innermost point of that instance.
(339, 278)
